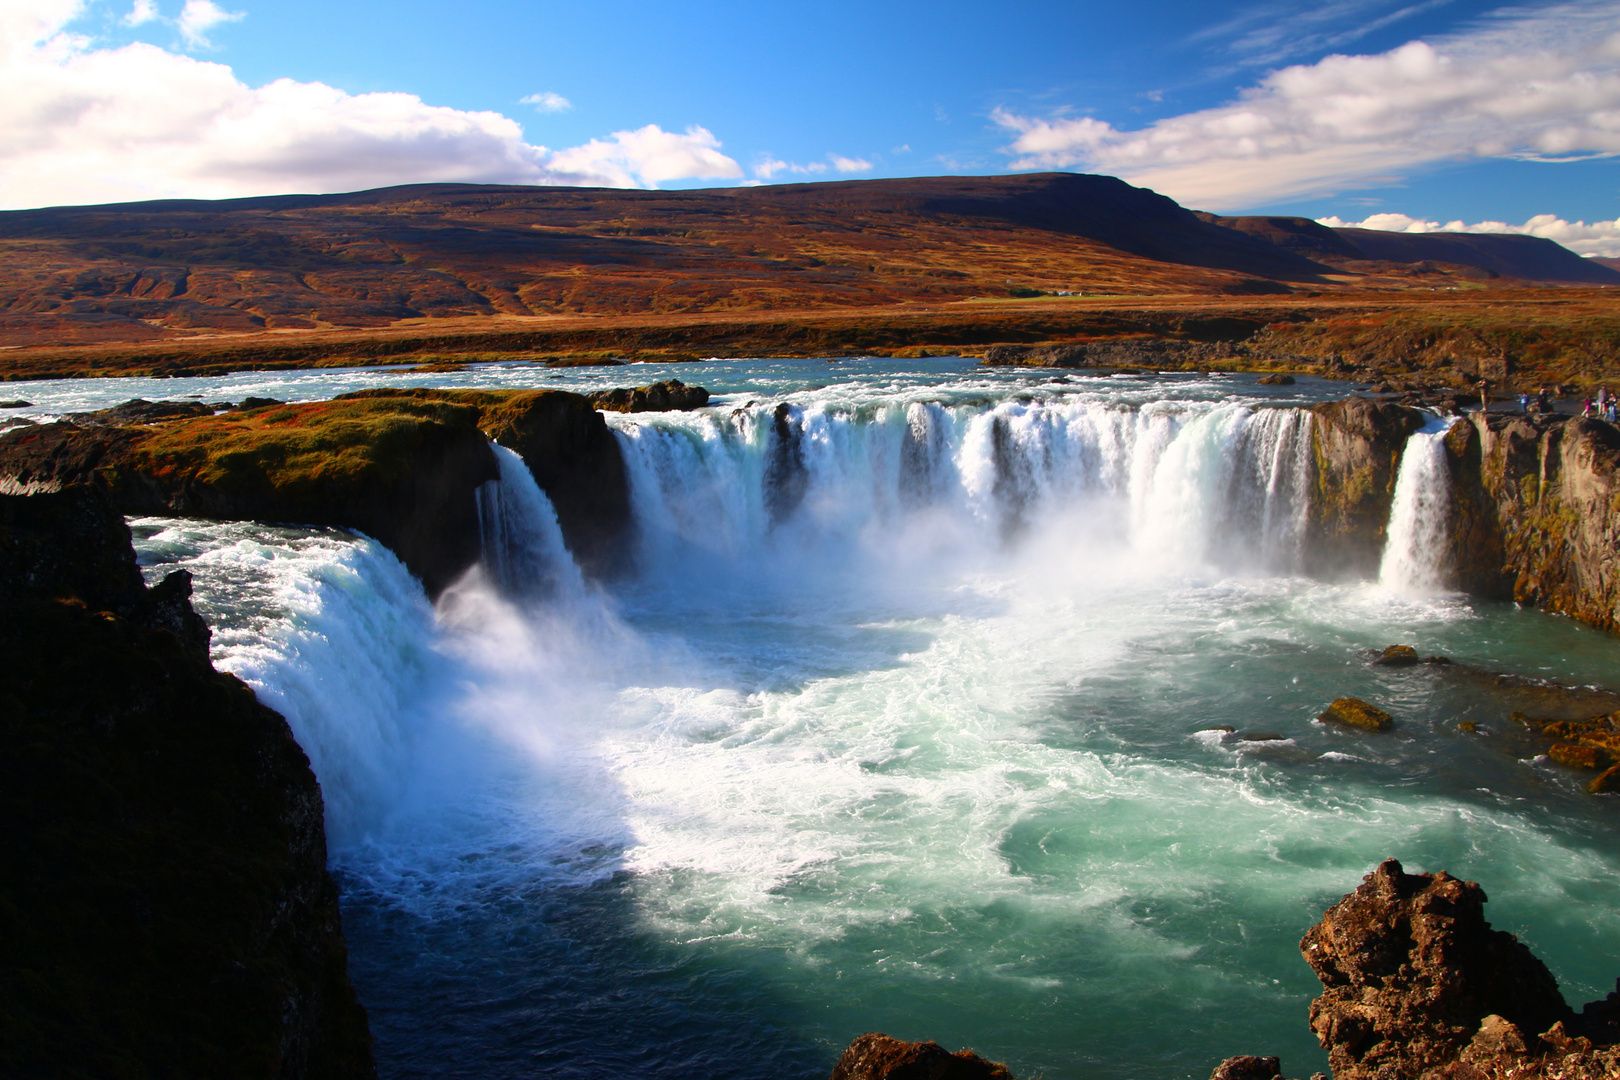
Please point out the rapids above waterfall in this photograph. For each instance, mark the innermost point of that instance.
(909, 721)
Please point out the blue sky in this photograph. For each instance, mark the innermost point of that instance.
(1426, 111)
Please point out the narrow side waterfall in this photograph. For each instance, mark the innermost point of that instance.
(523, 547)
(1415, 552)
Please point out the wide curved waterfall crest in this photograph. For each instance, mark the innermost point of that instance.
(1415, 556)
(1220, 485)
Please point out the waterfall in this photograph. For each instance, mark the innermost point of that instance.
(523, 547)
(1415, 552)
(1224, 485)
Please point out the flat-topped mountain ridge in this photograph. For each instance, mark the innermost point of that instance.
(176, 268)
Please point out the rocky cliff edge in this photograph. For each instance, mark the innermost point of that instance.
(165, 907)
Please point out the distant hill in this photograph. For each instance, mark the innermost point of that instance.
(1524, 258)
(146, 270)
(157, 270)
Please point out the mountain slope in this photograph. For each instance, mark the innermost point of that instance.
(148, 270)
(1523, 258)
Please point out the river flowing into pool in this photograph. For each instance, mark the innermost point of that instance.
(965, 705)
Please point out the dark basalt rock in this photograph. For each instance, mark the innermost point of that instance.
(165, 908)
(1275, 380)
(141, 411)
(1532, 513)
(403, 472)
(786, 480)
(1416, 985)
(572, 454)
(878, 1057)
(402, 466)
(672, 395)
(1245, 1067)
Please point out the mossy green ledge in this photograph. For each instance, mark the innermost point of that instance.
(403, 467)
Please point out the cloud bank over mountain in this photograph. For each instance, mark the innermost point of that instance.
(1598, 238)
(1541, 85)
(85, 124)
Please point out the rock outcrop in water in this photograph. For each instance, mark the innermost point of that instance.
(1358, 445)
(165, 908)
(1534, 513)
(570, 451)
(669, 395)
(1416, 985)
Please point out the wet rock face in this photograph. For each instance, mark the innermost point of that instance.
(878, 1057)
(786, 479)
(166, 908)
(1357, 446)
(1410, 969)
(1534, 513)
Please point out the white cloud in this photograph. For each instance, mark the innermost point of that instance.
(197, 18)
(83, 125)
(547, 102)
(143, 12)
(649, 154)
(1541, 86)
(1598, 238)
(767, 167)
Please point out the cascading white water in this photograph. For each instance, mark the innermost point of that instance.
(1223, 485)
(1415, 551)
(332, 632)
(522, 544)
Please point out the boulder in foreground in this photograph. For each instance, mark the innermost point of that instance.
(1415, 983)
(877, 1057)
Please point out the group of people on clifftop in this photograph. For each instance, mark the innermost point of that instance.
(1605, 406)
